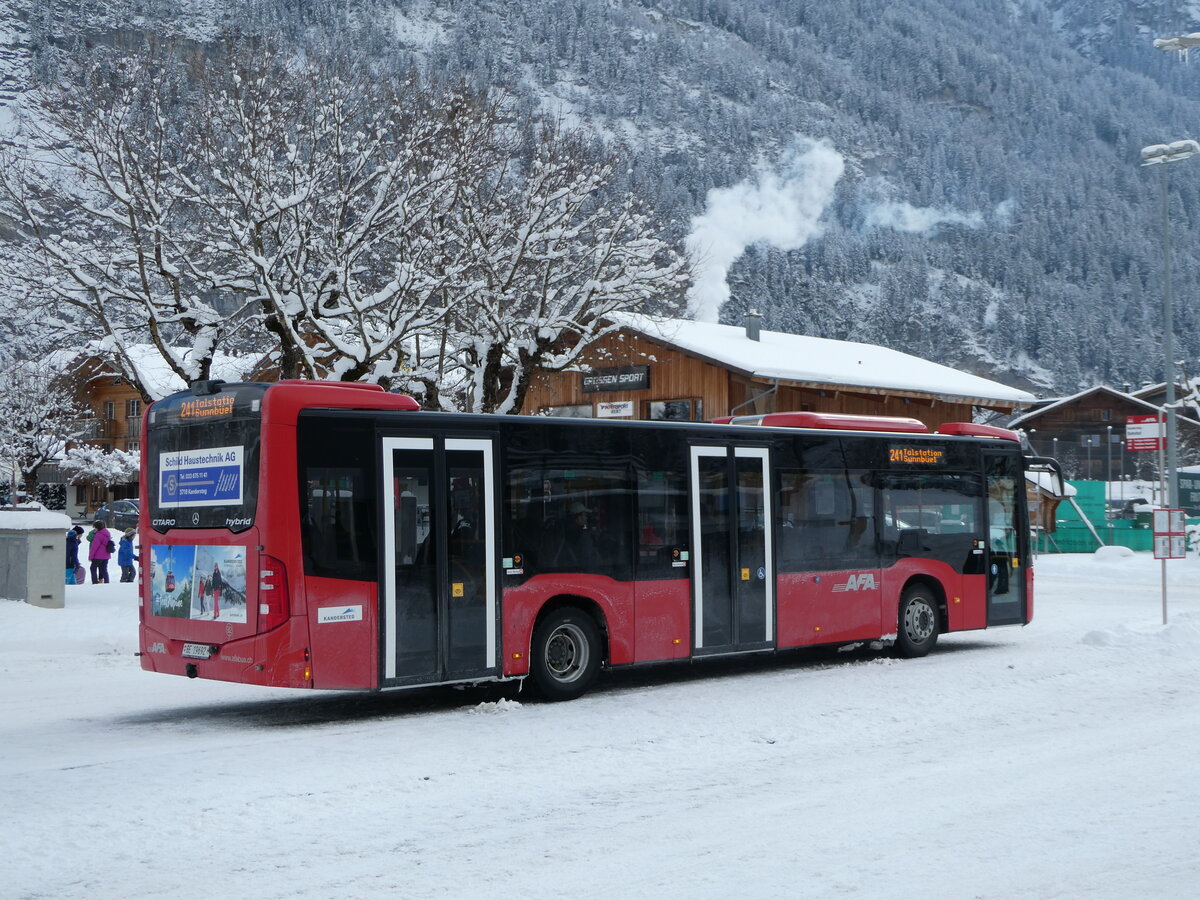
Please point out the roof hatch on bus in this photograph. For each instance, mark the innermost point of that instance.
(973, 430)
(838, 421)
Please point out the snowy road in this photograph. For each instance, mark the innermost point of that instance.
(1055, 761)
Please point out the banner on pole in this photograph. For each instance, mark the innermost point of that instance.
(1189, 492)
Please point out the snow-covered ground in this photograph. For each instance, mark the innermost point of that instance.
(1054, 761)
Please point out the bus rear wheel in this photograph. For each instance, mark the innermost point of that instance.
(918, 625)
(566, 654)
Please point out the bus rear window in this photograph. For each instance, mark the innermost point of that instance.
(203, 469)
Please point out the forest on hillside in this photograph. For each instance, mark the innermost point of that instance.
(991, 214)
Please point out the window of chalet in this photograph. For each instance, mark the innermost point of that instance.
(690, 410)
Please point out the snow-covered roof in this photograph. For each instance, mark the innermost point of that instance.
(160, 381)
(33, 518)
(1051, 484)
(777, 356)
(157, 377)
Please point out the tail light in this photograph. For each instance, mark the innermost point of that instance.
(273, 606)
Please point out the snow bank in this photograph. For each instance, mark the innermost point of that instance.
(22, 518)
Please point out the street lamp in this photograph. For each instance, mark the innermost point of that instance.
(1108, 436)
(1160, 154)
(1122, 442)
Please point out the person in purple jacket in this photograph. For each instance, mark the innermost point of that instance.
(100, 551)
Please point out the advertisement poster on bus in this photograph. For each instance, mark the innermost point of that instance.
(208, 477)
(171, 580)
(199, 582)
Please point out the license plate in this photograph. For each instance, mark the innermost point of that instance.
(197, 651)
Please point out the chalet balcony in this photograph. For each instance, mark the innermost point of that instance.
(93, 429)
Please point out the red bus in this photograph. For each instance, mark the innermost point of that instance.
(327, 535)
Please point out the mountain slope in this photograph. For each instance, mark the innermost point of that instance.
(989, 213)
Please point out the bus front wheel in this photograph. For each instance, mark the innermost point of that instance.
(566, 654)
(918, 625)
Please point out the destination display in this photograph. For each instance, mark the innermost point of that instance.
(916, 455)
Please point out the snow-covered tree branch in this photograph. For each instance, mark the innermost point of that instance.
(394, 229)
(552, 253)
(88, 464)
(37, 417)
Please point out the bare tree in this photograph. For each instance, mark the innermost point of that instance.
(325, 185)
(553, 253)
(382, 228)
(95, 187)
(37, 417)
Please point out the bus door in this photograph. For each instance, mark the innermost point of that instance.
(438, 617)
(1007, 553)
(733, 602)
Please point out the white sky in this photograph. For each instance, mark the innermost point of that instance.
(1053, 761)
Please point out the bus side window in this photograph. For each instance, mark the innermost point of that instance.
(662, 523)
(860, 543)
(827, 520)
(337, 499)
(570, 520)
(662, 529)
(924, 512)
(808, 506)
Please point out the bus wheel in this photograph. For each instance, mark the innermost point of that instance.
(566, 654)
(918, 630)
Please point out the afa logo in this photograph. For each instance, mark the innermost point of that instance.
(864, 581)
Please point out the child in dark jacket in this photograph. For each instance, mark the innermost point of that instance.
(125, 554)
(73, 537)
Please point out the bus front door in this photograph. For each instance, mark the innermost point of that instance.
(438, 585)
(733, 603)
(1007, 545)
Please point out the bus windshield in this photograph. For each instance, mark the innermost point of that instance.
(202, 459)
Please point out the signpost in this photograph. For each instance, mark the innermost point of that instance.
(1170, 542)
(1170, 534)
(1143, 432)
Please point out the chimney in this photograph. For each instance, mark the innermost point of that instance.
(752, 321)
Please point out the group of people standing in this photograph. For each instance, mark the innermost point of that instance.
(100, 549)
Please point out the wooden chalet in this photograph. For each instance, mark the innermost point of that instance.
(1085, 432)
(656, 368)
(116, 407)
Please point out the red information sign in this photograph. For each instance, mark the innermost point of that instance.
(1143, 432)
